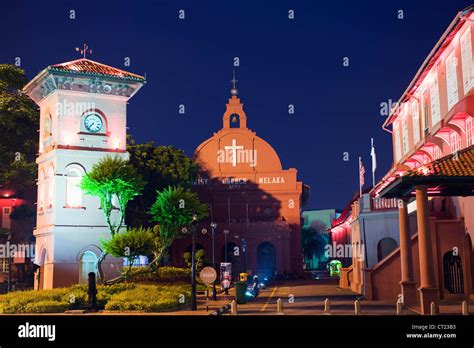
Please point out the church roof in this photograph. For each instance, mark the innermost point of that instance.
(86, 66)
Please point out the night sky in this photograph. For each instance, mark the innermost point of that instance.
(282, 62)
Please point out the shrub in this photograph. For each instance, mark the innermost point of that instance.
(47, 307)
(124, 296)
(149, 298)
(161, 275)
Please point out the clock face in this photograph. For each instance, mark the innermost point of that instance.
(93, 123)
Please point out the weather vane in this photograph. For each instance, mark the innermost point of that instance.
(233, 91)
(84, 50)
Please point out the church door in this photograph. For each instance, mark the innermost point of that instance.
(266, 259)
(88, 264)
(453, 274)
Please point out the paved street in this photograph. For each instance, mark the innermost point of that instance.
(307, 298)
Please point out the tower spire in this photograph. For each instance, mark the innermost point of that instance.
(234, 90)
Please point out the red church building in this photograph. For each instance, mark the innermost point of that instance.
(253, 201)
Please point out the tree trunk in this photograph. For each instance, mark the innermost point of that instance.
(99, 266)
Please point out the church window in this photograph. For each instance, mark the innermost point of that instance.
(73, 191)
(234, 121)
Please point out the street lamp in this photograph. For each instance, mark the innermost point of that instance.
(226, 232)
(9, 286)
(193, 263)
(213, 231)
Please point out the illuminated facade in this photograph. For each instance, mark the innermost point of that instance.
(251, 196)
(82, 119)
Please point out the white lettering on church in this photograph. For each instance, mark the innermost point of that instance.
(69, 108)
(234, 181)
(237, 154)
(271, 180)
(200, 181)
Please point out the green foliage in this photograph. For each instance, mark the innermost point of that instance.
(160, 167)
(313, 240)
(23, 212)
(160, 275)
(125, 296)
(46, 307)
(112, 177)
(149, 298)
(173, 210)
(19, 121)
(130, 244)
(201, 261)
(175, 206)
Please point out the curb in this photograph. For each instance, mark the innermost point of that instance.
(221, 310)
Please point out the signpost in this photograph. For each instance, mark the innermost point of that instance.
(208, 275)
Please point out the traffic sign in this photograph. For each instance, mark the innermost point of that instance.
(208, 275)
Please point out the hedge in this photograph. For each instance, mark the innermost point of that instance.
(123, 296)
(161, 275)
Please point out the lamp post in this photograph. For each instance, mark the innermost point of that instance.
(193, 263)
(213, 231)
(226, 232)
(9, 286)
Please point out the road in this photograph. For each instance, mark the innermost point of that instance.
(307, 297)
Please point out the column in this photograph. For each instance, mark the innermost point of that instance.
(407, 283)
(428, 290)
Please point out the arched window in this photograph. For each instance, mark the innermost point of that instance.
(234, 121)
(41, 179)
(385, 246)
(88, 264)
(74, 175)
(49, 187)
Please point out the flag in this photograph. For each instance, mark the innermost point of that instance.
(374, 161)
(374, 158)
(361, 172)
(361, 176)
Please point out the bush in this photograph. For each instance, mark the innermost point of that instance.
(47, 307)
(124, 296)
(161, 275)
(149, 298)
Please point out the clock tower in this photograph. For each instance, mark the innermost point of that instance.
(83, 107)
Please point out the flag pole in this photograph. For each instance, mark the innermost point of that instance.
(372, 152)
(360, 184)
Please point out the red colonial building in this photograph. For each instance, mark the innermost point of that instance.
(253, 200)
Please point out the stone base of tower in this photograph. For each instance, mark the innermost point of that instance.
(67, 254)
(60, 275)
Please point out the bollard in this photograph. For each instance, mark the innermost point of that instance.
(465, 308)
(399, 308)
(280, 306)
(327, 306)
(433, 308)
(92, 291)
(233, 308)
(357, 310)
